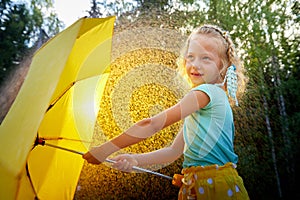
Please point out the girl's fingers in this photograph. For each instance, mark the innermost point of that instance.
(122, 164)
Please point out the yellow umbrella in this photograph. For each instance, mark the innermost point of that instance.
(58, 102)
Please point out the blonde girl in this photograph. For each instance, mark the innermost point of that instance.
(210, 64)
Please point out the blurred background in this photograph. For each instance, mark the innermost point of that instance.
(147, 39)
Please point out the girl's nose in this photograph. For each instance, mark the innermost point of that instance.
(193, 63)
(195, 66)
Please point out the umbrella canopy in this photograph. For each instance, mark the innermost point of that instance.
(59, 102)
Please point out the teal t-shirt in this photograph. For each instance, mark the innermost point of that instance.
(209, 132)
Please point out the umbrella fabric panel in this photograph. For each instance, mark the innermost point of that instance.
(26, 117)
(87, 57)
(88, 95)
(19, 127)
(72, 118)
(28, 109)
(54, 173)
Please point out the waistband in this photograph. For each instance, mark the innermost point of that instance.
(210, 168)
(199, 172)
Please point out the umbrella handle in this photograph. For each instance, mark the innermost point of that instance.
(42, 142)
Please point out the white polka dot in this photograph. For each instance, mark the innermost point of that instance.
(237, 189)
(210, 181)
(201, 190)
(229, 193)
(217, 166)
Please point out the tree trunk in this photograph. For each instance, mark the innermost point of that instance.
(270, 135)
(288, 154)
(269, 130)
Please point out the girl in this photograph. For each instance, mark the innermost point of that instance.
(210, 64)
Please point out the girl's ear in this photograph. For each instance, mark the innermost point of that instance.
(223, 70)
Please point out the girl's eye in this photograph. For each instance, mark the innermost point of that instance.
(206, 58)
(189, 57)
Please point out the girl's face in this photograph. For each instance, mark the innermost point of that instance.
(203, 63)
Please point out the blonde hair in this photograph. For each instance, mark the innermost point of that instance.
(227, 54)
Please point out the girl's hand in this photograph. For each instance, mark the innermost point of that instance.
(125, 162)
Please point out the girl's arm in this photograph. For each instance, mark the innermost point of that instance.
(145, 128)
(125, 162)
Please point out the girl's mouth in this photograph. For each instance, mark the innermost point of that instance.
(196, 74)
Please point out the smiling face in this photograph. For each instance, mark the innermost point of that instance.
(202, 60)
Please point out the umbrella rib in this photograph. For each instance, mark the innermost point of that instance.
(57, 98)
(64, 138)
(30, 180)
(67, 88)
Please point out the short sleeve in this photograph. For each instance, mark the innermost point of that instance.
(207, 90)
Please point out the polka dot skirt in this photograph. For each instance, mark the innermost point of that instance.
(212, 182)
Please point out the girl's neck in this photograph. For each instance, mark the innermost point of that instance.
(217, 84)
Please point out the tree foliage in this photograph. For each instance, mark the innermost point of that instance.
(15, 31)
(21, 26)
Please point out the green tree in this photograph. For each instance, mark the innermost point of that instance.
(23, 29)
(15, 32)
(21, 26)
